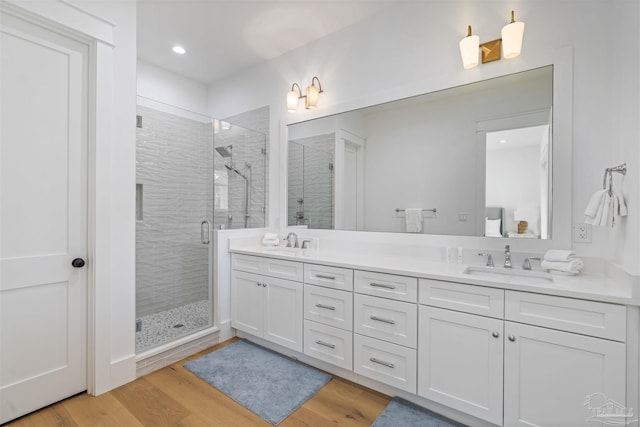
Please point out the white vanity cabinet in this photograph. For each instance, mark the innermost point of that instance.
(460, 354)
(385, 328)
(534, 365)
(555, 377)
(328, 314)
(264, 302)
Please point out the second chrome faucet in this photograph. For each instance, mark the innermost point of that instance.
(507, 258)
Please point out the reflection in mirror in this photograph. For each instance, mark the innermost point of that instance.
(310, 191)
(394, 163)
(517, 181)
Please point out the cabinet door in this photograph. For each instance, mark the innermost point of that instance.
(460, 361)
(555, 378)
(283, 312)
(247, 308)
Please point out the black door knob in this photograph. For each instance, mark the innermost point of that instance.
(77, 263)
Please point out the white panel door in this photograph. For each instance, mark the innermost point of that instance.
(554, 378)
(43, 302)
(460, 361)
(283, 312)
(247, 306)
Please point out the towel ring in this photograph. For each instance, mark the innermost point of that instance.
(609, 171)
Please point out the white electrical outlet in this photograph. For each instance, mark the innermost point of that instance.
(582, 233)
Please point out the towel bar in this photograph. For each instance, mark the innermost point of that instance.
(434, 210)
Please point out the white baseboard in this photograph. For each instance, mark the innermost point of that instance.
(123, 371)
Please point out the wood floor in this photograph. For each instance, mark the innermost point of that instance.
(174, 397)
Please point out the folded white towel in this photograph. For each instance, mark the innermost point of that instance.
(413, 220)
(560, 255)
(270, 239)
(573, 266)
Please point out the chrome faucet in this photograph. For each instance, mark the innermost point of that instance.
(295, 241)
(507, 257)
(527, 262)
(489, 259)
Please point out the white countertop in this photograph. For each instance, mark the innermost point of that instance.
(584, 286)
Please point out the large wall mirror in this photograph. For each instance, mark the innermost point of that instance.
(472, 160)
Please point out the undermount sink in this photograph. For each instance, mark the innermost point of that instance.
(283, 250)
(508, 275)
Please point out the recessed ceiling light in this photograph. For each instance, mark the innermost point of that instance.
(503, 141)
(179, 50)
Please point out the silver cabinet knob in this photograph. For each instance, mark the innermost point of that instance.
(259, 284)
(512, 338)
(495, 334)
(264, 285)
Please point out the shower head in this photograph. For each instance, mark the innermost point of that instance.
(225, 152)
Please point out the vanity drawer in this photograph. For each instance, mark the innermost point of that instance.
(279, 268)
(330, 277)
(282, 269)
(461, 297)
(328, 344)
(385, 362)
(597, 319)
(393, 321)
(400, 288)
(248, 263)
(329, 306)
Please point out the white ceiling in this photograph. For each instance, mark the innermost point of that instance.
(224, 37)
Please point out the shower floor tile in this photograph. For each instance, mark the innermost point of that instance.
(166, 326)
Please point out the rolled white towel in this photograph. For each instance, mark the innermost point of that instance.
(573, 266)
(558, 255)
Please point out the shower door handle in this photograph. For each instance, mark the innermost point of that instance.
(205, 226)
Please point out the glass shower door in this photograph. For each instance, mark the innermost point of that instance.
(174, 195)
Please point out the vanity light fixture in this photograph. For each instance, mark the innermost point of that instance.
(512, 34)
(469, 50)
(292, 98)
(511, 44)
(310, 99)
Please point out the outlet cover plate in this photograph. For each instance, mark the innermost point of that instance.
(582, 233)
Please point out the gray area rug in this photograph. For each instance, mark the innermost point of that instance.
(270, 385)
(402, 413)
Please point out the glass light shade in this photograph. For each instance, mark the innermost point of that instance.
(512, 39)
(470, 50)
(313, 93)
(292, 101)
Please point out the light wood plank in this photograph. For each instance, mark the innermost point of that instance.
(100, 411)
(173, 396)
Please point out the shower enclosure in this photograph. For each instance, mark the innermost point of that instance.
(310, 187)
(184, 189)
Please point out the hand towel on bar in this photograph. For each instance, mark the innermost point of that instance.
(573, 267)
(604, 209)
(559, 255)
(413, 220)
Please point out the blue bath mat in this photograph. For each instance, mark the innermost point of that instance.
(270, 385)
(402, 413)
